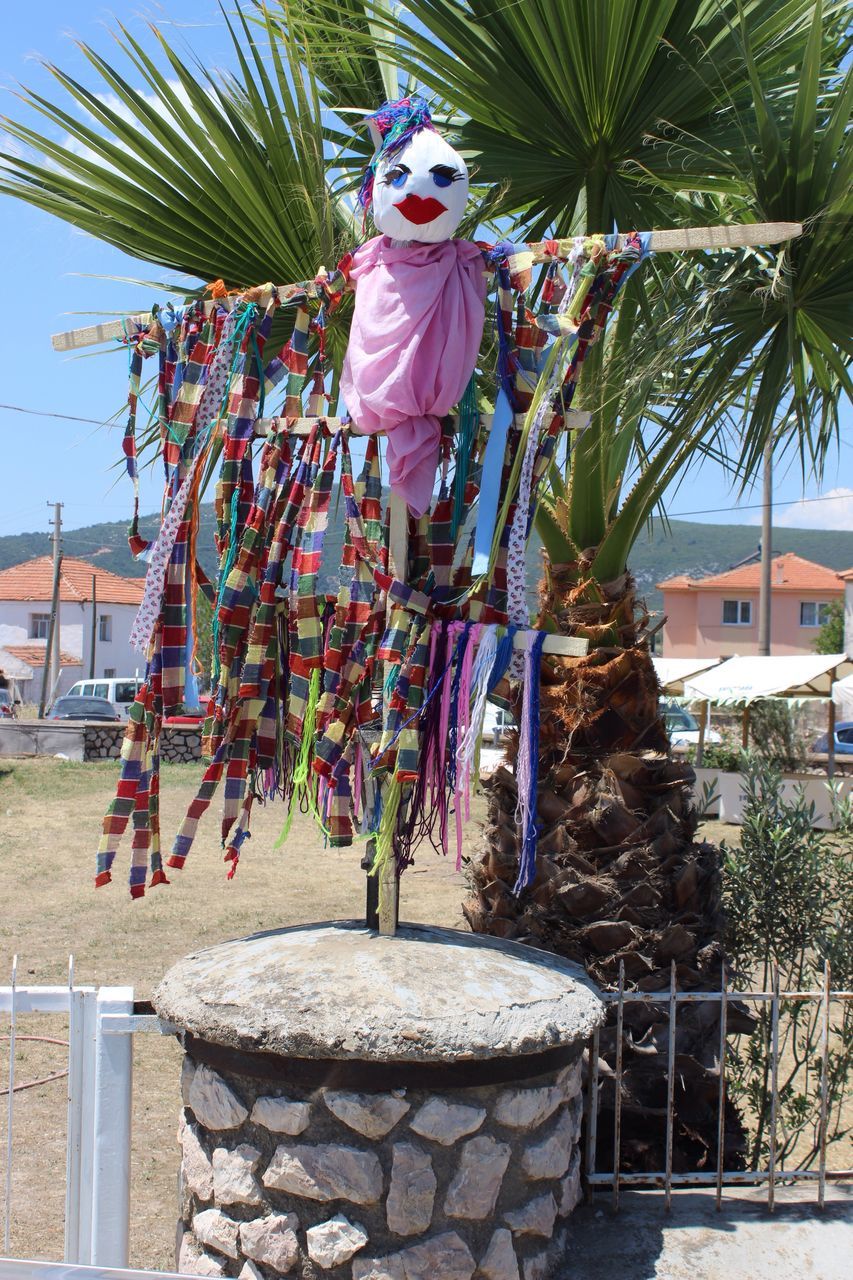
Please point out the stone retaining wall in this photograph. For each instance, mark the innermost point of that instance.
(411, 1184)
(179, 743)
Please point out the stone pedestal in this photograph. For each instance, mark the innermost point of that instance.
(377, 1108)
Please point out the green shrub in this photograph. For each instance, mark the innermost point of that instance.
(788, 893)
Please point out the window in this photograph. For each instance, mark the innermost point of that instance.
(102, 691)
(814, 613)
(39, 626)
(126, 691)
(109, 673)
(737, 613)
(105, 627)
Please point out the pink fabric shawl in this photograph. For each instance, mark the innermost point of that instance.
(415, 337)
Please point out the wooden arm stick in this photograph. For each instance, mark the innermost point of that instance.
(576, 420)
(677, 240)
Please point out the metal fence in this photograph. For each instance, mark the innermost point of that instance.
(102, 1021)
(773, 1174)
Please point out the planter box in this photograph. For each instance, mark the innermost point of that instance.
(728, 805)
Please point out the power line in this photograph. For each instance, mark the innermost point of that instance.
(674, 515)
(757, 506)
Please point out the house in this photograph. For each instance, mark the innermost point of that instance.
(847, 579)
(25, 595)
(717, 616)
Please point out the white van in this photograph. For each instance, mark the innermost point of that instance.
(121, 691)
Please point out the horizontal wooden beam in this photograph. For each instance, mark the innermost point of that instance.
(576, 420)
(560, 646)
(677, 240)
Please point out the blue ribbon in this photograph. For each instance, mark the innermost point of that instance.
(490, 483)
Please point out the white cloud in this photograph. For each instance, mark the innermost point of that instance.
(830, 510)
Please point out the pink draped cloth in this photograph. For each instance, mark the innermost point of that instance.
(414, 342)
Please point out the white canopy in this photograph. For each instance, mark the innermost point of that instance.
(672, 672)
(744, 680)
(842, 696)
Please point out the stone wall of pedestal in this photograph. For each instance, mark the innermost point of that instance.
(179, 743)
(394, 1185)
(369, 1108)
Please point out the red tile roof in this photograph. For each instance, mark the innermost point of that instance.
(790, 572)
(33, 655)
(33, 580)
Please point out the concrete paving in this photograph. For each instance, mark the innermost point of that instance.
(695, 1242)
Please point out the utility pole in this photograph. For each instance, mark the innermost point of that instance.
(50, 671)
(94, 626)
(764, 595)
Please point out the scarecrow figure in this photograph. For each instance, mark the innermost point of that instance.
(420, 297)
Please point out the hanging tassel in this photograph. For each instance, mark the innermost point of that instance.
(306, 747)
(462, 799)
(527, 768)
(385, 834)
(480, 681)
(469, 418)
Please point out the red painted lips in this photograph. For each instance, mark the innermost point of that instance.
(420, 210)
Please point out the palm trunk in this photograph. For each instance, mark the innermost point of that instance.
(620, 879)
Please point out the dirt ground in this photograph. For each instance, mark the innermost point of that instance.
(50, 817)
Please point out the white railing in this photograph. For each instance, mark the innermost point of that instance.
(101, 1023)
(773, 1173)
(100, 1063)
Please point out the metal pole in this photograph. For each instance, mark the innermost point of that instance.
(10, 1110)
(824, 1086)
(774, 1089)
(670, 1089)
(94, 626)
(704, 712)
(721, 1101)
(764, 596)
(51, 648)
(617, 1084)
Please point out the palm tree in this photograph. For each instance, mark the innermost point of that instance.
(743, 345)
(640, 113)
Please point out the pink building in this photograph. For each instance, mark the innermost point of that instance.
(717, 617)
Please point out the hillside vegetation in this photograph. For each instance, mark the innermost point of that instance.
(682, 547)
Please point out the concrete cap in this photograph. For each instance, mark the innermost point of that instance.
(339, 991)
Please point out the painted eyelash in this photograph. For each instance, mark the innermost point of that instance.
(395, 172)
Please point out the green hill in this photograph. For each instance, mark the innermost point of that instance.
(683, 547)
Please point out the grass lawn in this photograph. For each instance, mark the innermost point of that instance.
(50, 818)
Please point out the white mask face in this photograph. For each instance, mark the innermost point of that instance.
(420, 193)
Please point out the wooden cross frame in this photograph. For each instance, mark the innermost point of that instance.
(384, 897)
(685, 240)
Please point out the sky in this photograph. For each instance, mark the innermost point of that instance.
(51, 271)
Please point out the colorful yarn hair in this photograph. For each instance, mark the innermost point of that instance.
(396, 122)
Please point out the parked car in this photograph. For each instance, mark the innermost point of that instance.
(72, 708)
(7, 705)
(121, 691)
(682, 727)
(843, 740)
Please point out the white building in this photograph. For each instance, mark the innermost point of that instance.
(847, 579)
(25, 596)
